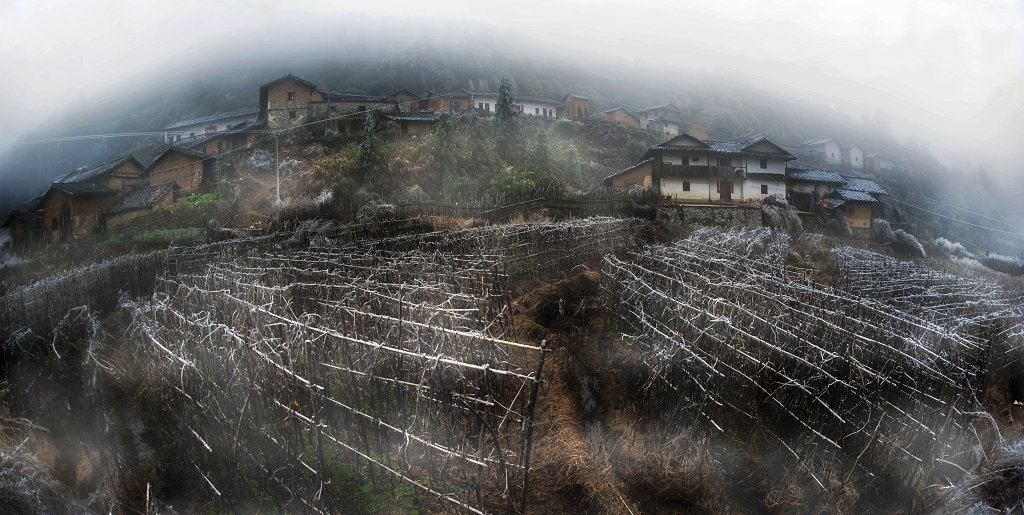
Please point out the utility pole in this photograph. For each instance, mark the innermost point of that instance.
(277, 168)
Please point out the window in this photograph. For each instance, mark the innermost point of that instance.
(686, 160)
(292, 115)
(579, 112)
(211, 129)
(536, 110)
(487, 106)
(191, 134)
(480, 106)
(764, 189)
(724, 161)
(291, 95)
(522, 108)
(764, 164)
(686, 185)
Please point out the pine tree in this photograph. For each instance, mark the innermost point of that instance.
(506, 121)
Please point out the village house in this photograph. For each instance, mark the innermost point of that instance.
(405, 101)
(486, 103)
(413, 125)
(243, 135)
(574, 107)
(831, 152)
(826, 191)
(122, 174)
(25, 226)
(665, 119)
(451, 103)
(620, 116)
(290, 101)
(73, 209)
(806, 188)
(187, 129)
(184, 167)
(138, 203)
(687, 169)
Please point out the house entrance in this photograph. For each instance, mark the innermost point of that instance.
(725, 190)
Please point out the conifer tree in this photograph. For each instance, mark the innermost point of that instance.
(506, 121)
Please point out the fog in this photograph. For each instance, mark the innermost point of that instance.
(947, 74)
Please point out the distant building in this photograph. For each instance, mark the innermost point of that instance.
(822, 190)
(406, 101)
(140, 202)
(25, 226)
(486, 103)
(73, 209)
(824, 150)
(185, 130)
(574, 107)
(413, 125)
(122, 174)
(620, 116)
(290, 102)
(185, 168)
(665, 119)
(687, 169)
(243, 135)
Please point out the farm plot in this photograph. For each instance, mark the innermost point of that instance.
(851, 386)
(300, 366)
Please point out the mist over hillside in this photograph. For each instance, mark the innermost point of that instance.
(713, 91)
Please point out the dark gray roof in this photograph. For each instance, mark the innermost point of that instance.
(815, 142)
(289, 76)
(670, 106)
(630, 168)
(81, 188)
(185, 151)
(89, 172)
(235, 129)
(815, 175)
(351, 97)
(214, 117)
(865, 185)
(141, 199)
(856, 196)
(412, 117)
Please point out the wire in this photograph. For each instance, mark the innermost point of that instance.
(1019, 235)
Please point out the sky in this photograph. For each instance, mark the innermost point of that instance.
(949, 72)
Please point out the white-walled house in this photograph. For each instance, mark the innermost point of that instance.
(856, 157)
(687, 169)
(827, 150)
(186, 129)
(486, 103)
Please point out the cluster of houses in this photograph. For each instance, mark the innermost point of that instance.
(688, 169)
(106, 195)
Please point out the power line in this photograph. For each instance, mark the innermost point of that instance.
(957, 219)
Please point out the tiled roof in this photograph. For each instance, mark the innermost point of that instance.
(220, 116)
(412, 117)
(816, 175)
(244, 126)
(351, 97)
(289, 76)
(865, 185)
(630, 168)
(141, 199)
(89, 172)
(669, 106)
(814, 142)
(81, 188)
(856, 196)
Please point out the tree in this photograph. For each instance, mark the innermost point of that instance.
(574, 168)
(506, 121)
(373, 160)
(446, 158)
(539, 158)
